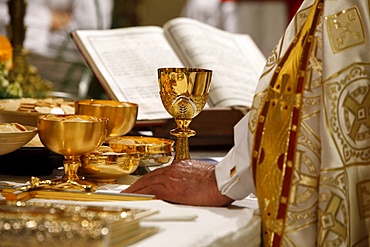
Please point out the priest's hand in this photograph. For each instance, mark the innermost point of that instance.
(187, 182)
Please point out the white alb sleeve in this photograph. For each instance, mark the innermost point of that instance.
(233, 174)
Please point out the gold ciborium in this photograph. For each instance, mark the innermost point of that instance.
(121, 115)
(104, 165)
(71, 136)
(184, 93)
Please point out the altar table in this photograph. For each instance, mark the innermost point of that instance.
(187, 226)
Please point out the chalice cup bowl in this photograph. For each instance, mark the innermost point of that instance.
(71, 136)
(184, 93)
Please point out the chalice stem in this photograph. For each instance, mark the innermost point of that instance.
(182, 142)
(70, 179)
(182, 148)
(71, 165)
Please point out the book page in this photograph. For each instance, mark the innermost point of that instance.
(125, 61)
(236, 61)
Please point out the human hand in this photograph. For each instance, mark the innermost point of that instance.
(60, 19)
(188, 182)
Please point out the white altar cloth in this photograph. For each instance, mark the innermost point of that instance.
(189, 226)
(186, 226)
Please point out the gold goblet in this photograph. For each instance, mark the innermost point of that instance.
(104, 166)
(184, 93)
(71, 136)
(121, 115)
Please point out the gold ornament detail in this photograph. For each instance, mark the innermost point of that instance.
(347, 100)
(345, 29)
(277, 131)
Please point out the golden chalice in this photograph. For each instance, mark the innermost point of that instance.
(103, 165)
(184, 93)
(71, 136)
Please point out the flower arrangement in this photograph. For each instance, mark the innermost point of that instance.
(7, 89)
(6, 53)
(19, 79)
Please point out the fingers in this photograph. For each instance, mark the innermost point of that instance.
(158, 190)
(146, 182)
(161, 192)
(153, 185)
(185, 182)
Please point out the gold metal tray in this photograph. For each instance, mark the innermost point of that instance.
(153, 151)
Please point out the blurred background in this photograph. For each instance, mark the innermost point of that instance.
(49, 23)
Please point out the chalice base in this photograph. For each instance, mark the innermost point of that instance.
(66, 183)
(70, 180)
(60, 184)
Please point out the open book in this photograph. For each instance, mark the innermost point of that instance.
(125, 61)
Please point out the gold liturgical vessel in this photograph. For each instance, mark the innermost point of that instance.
(71, 136)
(184, 93)
(121, 115)
(106, 167)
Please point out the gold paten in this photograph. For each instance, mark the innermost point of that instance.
(152, 151)
(71, 136)
(184, 93)
(107, 167)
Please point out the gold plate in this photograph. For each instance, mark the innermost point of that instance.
(153, 151)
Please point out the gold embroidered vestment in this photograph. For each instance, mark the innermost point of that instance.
(310, 124)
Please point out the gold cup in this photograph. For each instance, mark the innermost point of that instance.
(121, 115)
(71, 136)
(184, 93)
(107, 167)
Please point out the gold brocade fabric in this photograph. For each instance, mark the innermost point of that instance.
(310, 129)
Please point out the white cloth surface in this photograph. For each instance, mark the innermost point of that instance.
(200, 226)
(166, 212)
(230, 226)
(184, 226)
